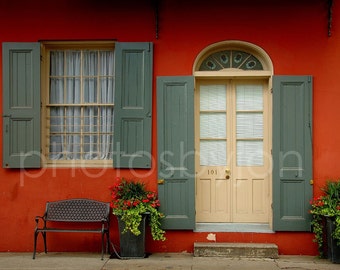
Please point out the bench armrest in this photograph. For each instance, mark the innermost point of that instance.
(42, 218)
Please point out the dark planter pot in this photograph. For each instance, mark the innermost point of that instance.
(132, 246)
(333, 250)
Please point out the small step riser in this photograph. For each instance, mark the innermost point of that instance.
(235, 250)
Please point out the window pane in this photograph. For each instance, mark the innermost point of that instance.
(106, 90)
(90, 90)
(56, 91)
(212, 98)
(213, 125)
(73, 66)
(213, 153)
(106, 63)
(90, 71)
(90, 63)
(106, 79)
(57, 63)
(249, 153)
(90, 147)
(249, 98)
(249, 125)
(57, 80)
(90, 133)
(56, 147)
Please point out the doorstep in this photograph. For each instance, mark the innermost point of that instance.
(241, 250)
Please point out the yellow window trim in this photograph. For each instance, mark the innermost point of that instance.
(46, 47)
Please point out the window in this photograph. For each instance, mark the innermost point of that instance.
(89, 106)
(79, 104)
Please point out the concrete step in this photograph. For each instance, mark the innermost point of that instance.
(246, 250)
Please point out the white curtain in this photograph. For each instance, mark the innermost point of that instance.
(81, 126)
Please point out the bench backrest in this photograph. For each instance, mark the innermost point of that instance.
(77, 210)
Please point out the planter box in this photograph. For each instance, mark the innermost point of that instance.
(333, 250)
(132, 246)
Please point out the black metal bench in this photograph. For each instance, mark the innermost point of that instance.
(81, 211)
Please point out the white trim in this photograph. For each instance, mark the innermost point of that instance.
(233, 73)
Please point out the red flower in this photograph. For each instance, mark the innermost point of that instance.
(127, 203)
(150, 195)
(135, 203)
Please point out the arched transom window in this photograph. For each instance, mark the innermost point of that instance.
(230, 59)
(226, 57)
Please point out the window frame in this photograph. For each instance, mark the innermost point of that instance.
(46, 48)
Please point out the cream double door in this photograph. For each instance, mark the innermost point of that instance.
(233, 164)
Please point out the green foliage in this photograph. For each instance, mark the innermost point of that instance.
(327, 205)
(130, 201)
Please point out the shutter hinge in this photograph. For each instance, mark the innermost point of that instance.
(271, 90)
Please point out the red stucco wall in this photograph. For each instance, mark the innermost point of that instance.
(293, 33)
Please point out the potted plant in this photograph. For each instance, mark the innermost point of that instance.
(326, 221)
(133, 204)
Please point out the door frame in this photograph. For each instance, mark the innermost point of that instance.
(268, 96)
(230, 73)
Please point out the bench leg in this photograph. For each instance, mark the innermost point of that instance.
(108, 242)
(36, 233)
(35, 243)
(103, 245)
(45, 245)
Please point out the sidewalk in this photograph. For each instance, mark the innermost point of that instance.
(159, 261)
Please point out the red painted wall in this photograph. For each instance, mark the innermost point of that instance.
(293, 33)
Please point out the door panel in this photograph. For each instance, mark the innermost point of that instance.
(212, 187)
(232, 136)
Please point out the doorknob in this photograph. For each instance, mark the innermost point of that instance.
(227, 173)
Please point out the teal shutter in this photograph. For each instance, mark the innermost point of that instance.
(176, 172)
(21, 105)
(292, 152)
(133, 94)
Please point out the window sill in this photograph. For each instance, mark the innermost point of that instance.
(79, 164)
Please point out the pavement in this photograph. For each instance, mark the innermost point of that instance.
(157, 261)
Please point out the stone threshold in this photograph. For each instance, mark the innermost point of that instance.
(238, 250)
